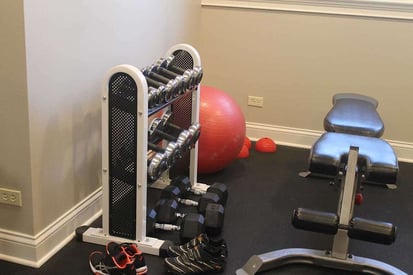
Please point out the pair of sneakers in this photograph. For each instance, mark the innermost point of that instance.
(199, 255)
(118, 259)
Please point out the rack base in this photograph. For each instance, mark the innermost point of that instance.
(148, 245)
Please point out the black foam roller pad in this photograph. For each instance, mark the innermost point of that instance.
(316, 221)
(372, 231)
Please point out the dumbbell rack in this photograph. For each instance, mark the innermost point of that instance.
(125, 117)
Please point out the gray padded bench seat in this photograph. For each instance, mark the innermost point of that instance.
(354, 114)
(378, 160)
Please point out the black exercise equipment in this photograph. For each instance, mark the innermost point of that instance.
(174, 192)
(158, 159)
(157, 164)
(190, 77)
(186, 79)
(189, 227)
(156, 134)
(168, 90)
(154, 97)
(344, 227)
(213, 214)
(380, 161)
(354, 121)
(172, 151)
(184, 184)
(166, 81)
(165, 66)
(163, 122)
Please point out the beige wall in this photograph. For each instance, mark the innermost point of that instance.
(297, 61)
(14, 117)
(61, 50)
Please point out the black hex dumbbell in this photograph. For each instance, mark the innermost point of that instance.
(185, 186)
(190, 226)
(174, 192)
(183, 139)
(167, 210)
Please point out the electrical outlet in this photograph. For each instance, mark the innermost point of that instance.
(256, 101)
(12, 197)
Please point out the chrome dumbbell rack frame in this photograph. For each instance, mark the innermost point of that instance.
(126, 194)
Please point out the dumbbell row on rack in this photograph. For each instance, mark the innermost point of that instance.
(161, 128)
(167, 81)
(158, 159)
(179, 144)
(167, 126)
(168, 64)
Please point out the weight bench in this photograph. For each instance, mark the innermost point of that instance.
(378, 161)
(343, 225)
(354, 114)
(354, 121)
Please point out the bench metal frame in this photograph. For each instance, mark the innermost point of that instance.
(338, 258)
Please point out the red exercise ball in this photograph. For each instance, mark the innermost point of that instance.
(222, 130)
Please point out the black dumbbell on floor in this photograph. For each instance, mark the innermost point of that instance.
(167, 210)
(185, 186)
(190, 226)
(174, 192)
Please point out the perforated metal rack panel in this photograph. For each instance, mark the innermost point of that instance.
(182, 108)
(122, 155)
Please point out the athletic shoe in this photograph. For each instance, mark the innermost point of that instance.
(133, 253)
(199, 259)
(103, 264)
(178, 250)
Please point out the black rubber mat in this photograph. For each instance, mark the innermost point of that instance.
(263, 191)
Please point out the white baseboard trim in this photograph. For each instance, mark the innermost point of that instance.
(389, 9)
(35, 250)
(304, 138)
